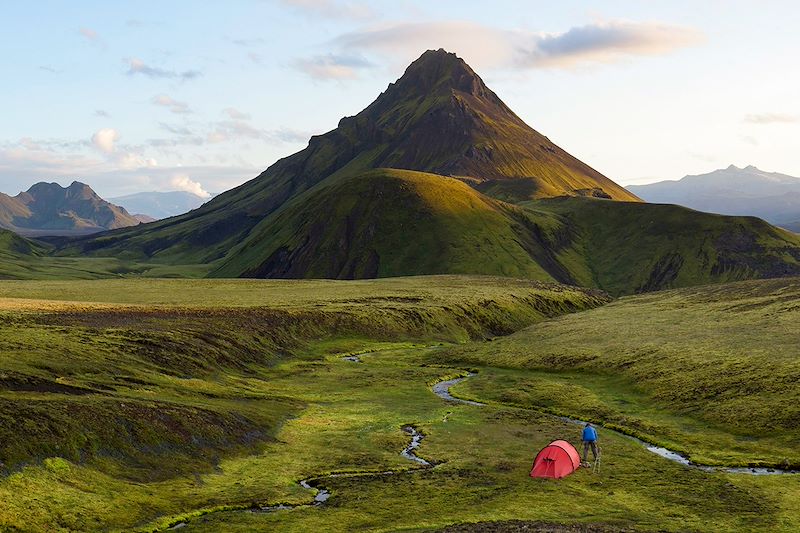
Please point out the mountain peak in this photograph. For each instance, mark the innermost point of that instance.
(49, 207)
(440, 117)
(439, 69)
(748, 168)
(43, 186)
(439, 59)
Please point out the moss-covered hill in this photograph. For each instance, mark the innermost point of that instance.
(389, 222)
(625, 247)
(386, 223)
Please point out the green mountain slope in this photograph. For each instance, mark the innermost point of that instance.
(13, 244)
(625, 247)
(390, 222)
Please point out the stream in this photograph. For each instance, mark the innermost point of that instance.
(324, 494)
(442, 390)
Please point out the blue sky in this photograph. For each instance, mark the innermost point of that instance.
(201, 96)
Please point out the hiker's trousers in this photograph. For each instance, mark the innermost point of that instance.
(586, 445)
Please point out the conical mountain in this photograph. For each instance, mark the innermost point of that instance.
(438, 176)
(438, 117)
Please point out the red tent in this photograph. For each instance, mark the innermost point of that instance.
(556, 460)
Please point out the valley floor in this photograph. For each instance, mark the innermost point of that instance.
(482, 457)
(219, 436)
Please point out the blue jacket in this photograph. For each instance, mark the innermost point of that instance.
(589, 434)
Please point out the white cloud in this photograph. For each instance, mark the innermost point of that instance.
(255, 41)
(105, 139)
(183, 182)
(182, 131)
(481, 45)
(332, 66)
(37, 163)
(173, 105)
(235, 114)
(489, 47)
(232, 130)
(89, 33)
(137, 66)
(132, 160)
(772, 118)
(606, 42)
(127, 169)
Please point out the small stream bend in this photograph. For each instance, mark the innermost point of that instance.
(442, 390)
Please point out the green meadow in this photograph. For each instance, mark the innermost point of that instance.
(139, 405)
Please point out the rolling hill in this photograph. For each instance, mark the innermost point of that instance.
(348, 229)
(49, 209)
(625, 247)
(733, 191)
(455, 229)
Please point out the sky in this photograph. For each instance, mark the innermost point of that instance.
(203, 96)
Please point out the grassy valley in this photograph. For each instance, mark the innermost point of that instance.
(144, 383)
(141, 404)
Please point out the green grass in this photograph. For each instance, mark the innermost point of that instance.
(24, 259)
(510, 296)
(123, 394)
(386, 223)
(137, 404)
(709, 371)
(624, 247)
(483, 456)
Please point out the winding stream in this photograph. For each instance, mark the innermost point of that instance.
(442, 390)
(324, 494)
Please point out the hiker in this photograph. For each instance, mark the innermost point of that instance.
(589, 439)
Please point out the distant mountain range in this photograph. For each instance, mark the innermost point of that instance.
(733, 191)
(149, 206)
(50, 209)
(439, 176)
